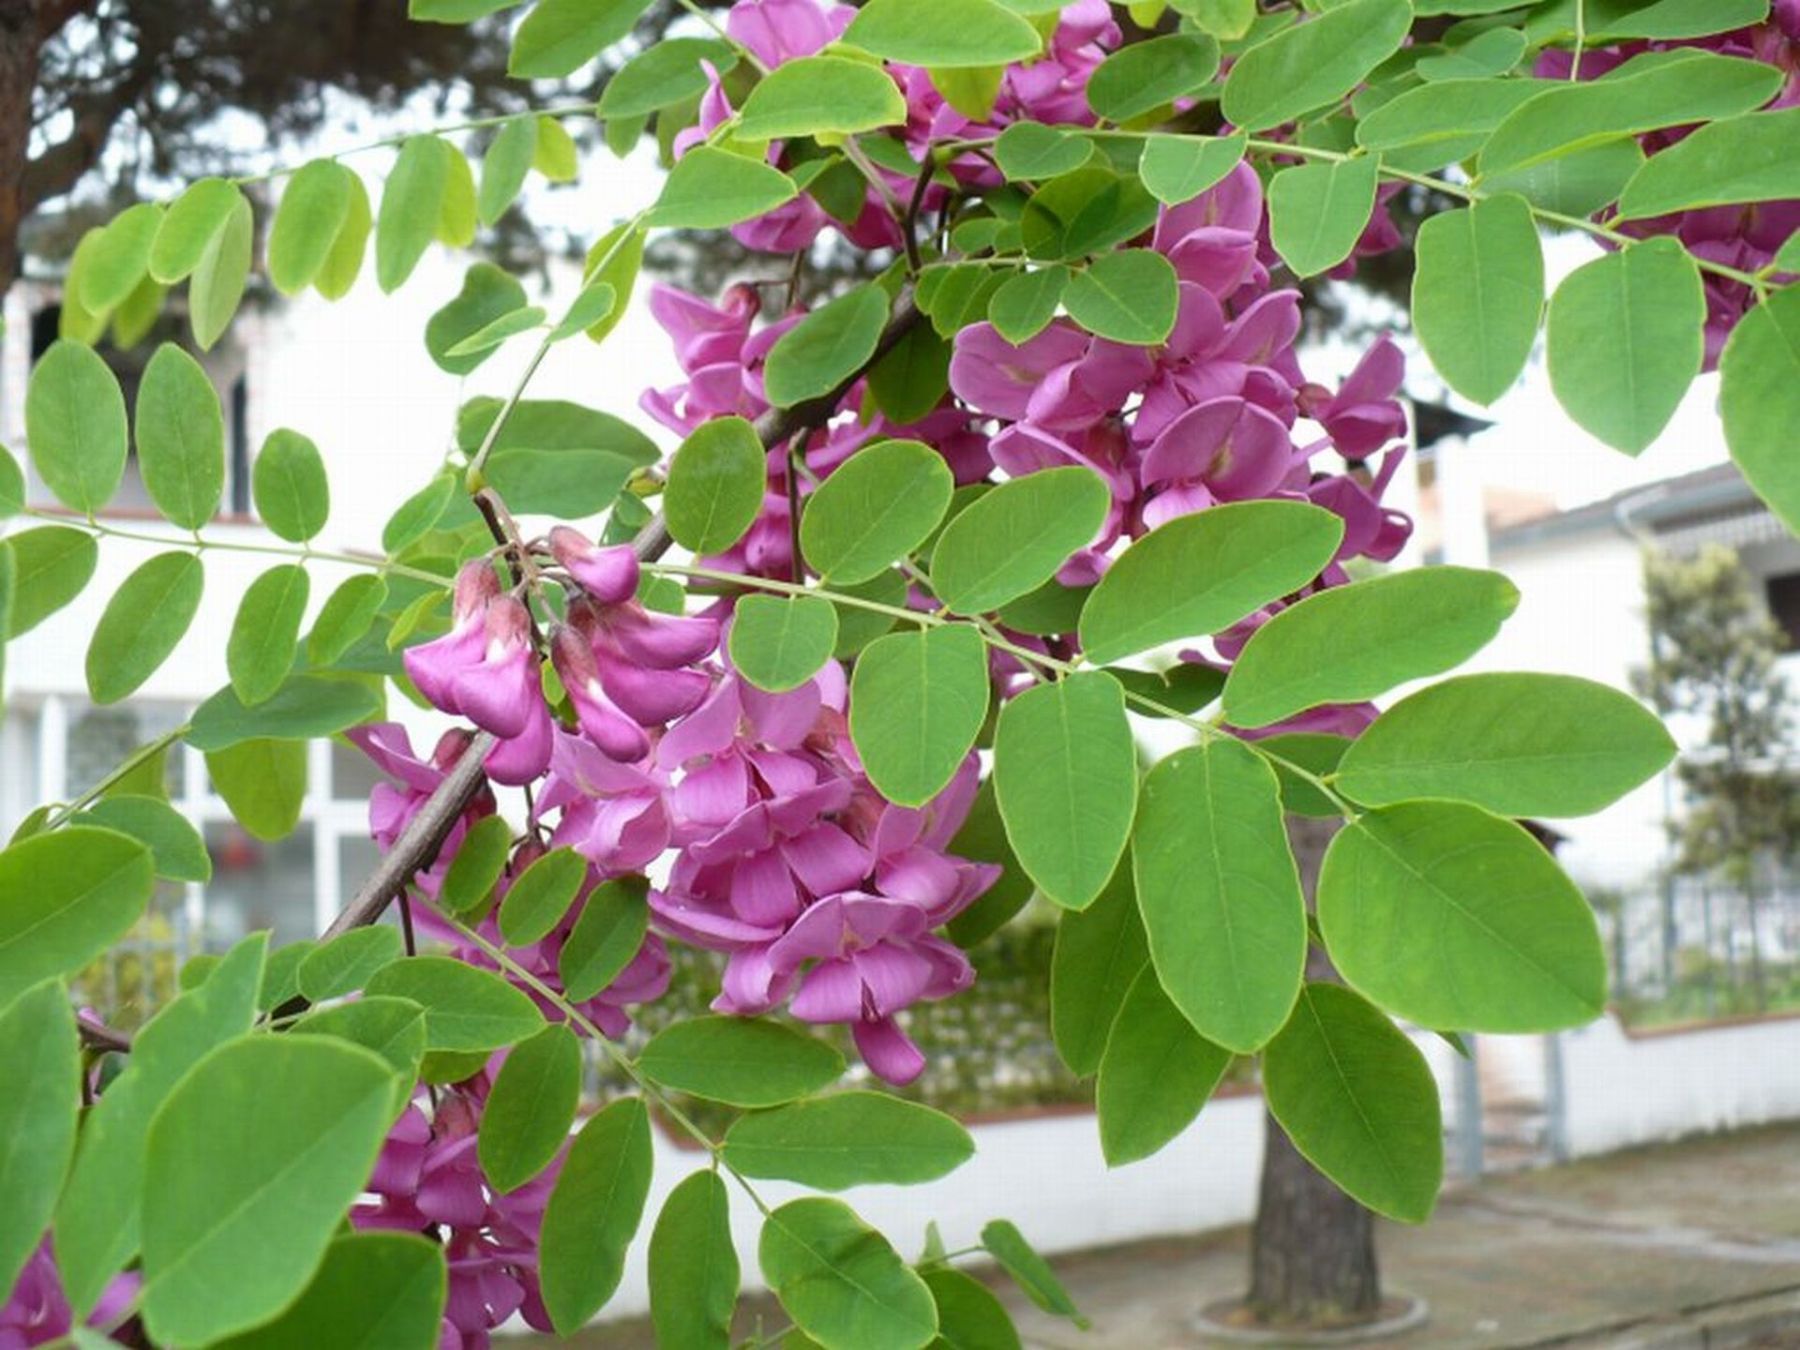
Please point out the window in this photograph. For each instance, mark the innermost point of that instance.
(1783, 594)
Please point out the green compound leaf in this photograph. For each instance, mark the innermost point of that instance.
(1031, 152)
(345, 616)
(307, 223)
(1178, 169)
(874, 509)
(344, 263)
(1519, 745)
(1156, 1074)
(175, 845)
(1743, 159)
(188, 226)
(290, 489)
(263, 782)
(1024, 306)
(739, 1061)
(1015, 538)
(968, 1313)
(848, 1139)
(1442, 122)
(709, 189)
(1219, 893)
(1317, 212)
(345, 963)
(943, 34)
(1380, 632)
(75, 426)
(780, 642)
(1625, 341)
(1310, 64)
(1451, 917)
(917, 701)
(594, 1212)
(1129, 296)
(1065, 774)
(455, 335)
(531, 1107)
(912, 376)
(70, 896)
(1199, 574)
(480, 859)
(1478, 293)
(465, 1008)
(304, 708)
(825, 348)
(40, 1055)
(266, 634)
(251, 1164)
(820, 94)
(1759, 400)
(693, 1266)
(1099, 952)
(607, 934)
(1007, 1245)
(218, 281)
(180, 438)
(394, 1028)
(840, 1280)
(52, 564)
(540, 896)
(410, 204)
(1359, 1102)
(116, 261)
(1144, 76)
(559, 37)
(716, 483)
(374, 1291)
(504, 167)
(142, 623)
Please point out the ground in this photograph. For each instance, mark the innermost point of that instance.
(1678, 1247)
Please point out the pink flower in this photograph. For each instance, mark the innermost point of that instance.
(392, 806)
(37, 1312)
(609, 575)
(484, 668)
(1363, 415)
(1222, 450)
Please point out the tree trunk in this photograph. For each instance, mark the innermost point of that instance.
(19, 40)
(1312, 1250)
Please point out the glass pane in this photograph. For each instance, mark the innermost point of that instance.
(259, 885)
(100, 739)
(357, 857)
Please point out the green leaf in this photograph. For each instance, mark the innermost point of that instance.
(917, 700)
(825, 348)
(1451, 917)
(176, 847)
(556, 155)
(465, 1008)
(593, 1213)
(1023, 307)
(142, 623)
(281, 975)
(12, 485)
(1691, 86)
(476, 868)
(40, 1055)
(1478, 292)
(343, 264)
(1143, 76)
(848, 1139)
(252, 1161)
(588, 311)
(263, 782)
(1759, 402)
(741, 1061)
(410, 204)
(780, 642)
(540, 896)
(1493, 52)
(944, 34)
(307, 223)
(1743, 159)
(1380, 633)
(304, 708)
(663, 74)
(531, 1107)
(1624, 341)
(70, 896)
(607, 934)
(289, 486)
(840, 1280)
(188, 226)
(1315, 752)
(260, 652)
(1442, 122)
(1219, 893)
(373, 1291)
(504, 166)
(75, 426)
(1519, 745)
(982, 838)
(489, 295)
(1178, 169)
(341, 965)
(559, 37)
(912, 377)
(1032, 152)
(454, 11)
(51, 566)
(345, 617)
(416, 516)
(1199, 574)
(1016, 537)
(119, 257)
(1156, 1074)
(1611, 20)
(218, 281)
(716, 484)
(1318, 211)
(969, 1316)
(1007, 1245)
(394, 1028)
(1099, 952)
(694, 1267)
(1307, 65)
(1129, 296)
(180, 438)
(1359, 1102)
(1065, 773)
(817, 94)
(874, 509)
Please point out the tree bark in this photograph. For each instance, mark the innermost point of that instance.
(1312, 1250)
(19, 44)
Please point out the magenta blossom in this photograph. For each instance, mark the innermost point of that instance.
(37, 1311)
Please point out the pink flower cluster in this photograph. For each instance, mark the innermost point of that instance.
(1746, 237)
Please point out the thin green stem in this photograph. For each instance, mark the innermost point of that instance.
(142, 755)
(1580, 38)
